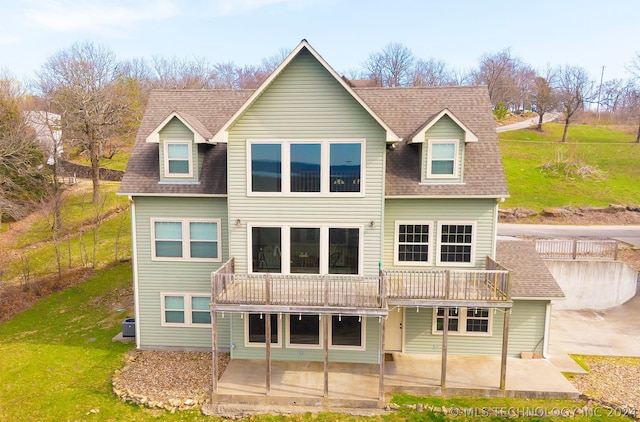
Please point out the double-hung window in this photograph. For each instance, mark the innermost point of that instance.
(456, 246)
(256, 327)
(413, 243)
(174, 239)
(178, 159)
(306, 166)
(185, 309)
(442, 158)
(471, 321)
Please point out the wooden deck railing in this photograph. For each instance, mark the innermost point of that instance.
(577, 249)
(234, 291)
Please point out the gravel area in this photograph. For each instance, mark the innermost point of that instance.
(167, 379)
(612, 381)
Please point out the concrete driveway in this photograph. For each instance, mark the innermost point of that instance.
(614, 332)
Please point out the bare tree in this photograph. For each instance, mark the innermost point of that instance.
(391, 67)
(507, 78)
(98, 109)
(432, 72)
(543, 96)
(634, 68)
(24, 179)
(176, 73)
(574, 88)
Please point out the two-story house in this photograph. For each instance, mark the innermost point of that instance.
(313, 220)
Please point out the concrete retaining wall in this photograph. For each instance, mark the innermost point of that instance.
(593, 285)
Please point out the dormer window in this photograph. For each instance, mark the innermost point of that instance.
(178, 161)
(442, 158)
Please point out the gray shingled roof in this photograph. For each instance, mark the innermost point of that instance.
(404, 110)
(407, 109)
(530, 276)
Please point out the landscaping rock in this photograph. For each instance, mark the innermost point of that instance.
(614, 209)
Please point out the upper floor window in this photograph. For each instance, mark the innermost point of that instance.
(313, 166)
(173, 239)
(442, 158)
(456, 244)
(413, 240)
(178, 160)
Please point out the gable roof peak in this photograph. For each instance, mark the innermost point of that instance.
(222, 134)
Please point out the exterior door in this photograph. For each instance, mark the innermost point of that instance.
(393, 331)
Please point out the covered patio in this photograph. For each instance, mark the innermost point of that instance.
(356, 385)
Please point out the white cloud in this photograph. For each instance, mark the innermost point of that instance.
(97, 16)
(8, 39)
(236, 7)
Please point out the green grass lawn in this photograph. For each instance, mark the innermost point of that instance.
(608, 156)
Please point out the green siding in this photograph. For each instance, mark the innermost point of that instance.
(445, 128)
(526, 330)
(175, 130)
(526, 327)
(480, 211)
(306, 102)
(371, 353)
(155, 277)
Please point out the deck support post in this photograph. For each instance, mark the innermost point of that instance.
(214, 343)
(383, 322)
(445, 338)
(325, 339)
(267, 335)
(505, 346)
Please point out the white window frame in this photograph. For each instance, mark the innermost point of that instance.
(456, 158)
(285, 250)
(462, 322)
(187, 310)
(430, 244)
(186, 238)
(325, 164)
(304, 346)
(247, 343)
(167, 174)
(363, 334)
(440, 244)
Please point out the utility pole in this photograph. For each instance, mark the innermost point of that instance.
(599, 93)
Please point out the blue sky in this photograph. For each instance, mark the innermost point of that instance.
(587, 33)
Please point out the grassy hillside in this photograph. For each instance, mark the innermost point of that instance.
(597, 166)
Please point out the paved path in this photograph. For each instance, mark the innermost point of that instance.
(626, 234)
(528, 123)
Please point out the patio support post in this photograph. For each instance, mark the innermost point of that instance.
(445, 338)
(214, 342)
(383, 322)
(267, 336)
(325, 339)
(505, 344)
(214, 336)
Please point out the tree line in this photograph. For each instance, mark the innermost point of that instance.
(93, 102)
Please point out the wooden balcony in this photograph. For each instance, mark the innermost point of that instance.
(361, 295)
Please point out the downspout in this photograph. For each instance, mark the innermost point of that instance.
(547, 331)
(136, 291)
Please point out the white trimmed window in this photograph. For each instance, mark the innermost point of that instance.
(296, 249)
(255, 329)
(457, 243)
(413, 243)
(178, 159)
(442, 158)
(347, 332)
(467, 321)
(185, 309)
(301, 167)
(304, 331)
(185, 239)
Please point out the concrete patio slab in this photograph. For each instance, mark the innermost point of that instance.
(356, 385)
